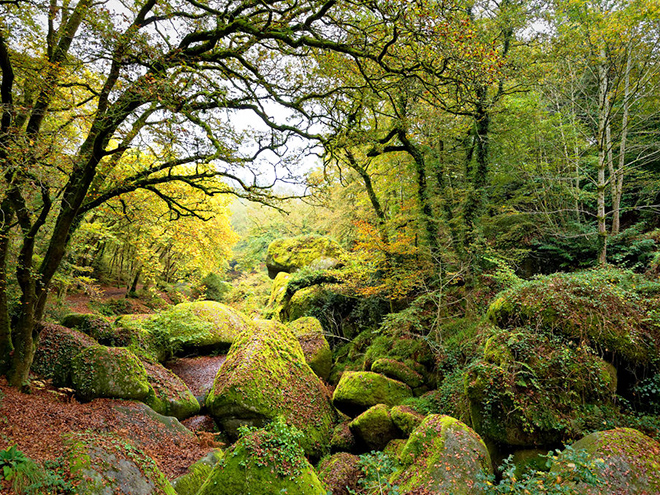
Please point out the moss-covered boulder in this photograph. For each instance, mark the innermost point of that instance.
(406, 419)
(264, 376)
(607, 309)
(143, 338)
(109, 465)
(414, 353)
(303, 303)
(278, 294)
(343, 439)
(264, 462)
(57, 347)
(309, 332)
(399, 371)
(533, 389)
(357, 391)
(113, 372)
(340, 473)
(291, 254)
(200, 326)
(442, 455)
(198, 473)
(625, 461)
(374, 428)
(168, 394)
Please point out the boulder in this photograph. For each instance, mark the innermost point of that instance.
(374, 428)
(264, 376)
(168, 394)
(531, 389)
(57, 347)
(357, 391)
(340, 473)
(601, 308)
(264, 462)
(108, 465)
(113, 372)
(625, 461)
(406, 419)
(291, 254)
(144, 339)
(342, 439)
(198, 473)
(278, 296)
(309, 332)
(399, 371)
(200, 326)
(442, 455)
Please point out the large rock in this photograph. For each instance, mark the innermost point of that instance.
(264, 462)
(357, 391)
(531, 389)
(442, 455)
(340, 473)
(601, 308)
(113, 372)
(198, 473)
(406, 419)
(374, 428)
(144, 338)
(57, 347)
(109, 465)
(626, 462)
(169, 395)
(200, 326)
(266, 376)
(289, 255)
(309, 332)
(399, 371)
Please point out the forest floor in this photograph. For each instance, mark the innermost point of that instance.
(39, 421)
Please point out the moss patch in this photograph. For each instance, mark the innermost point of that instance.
(198, 473)
(397, 370)
(309, 332)
(169, 395)
(340, 473)
(406, 419)
(359, 390)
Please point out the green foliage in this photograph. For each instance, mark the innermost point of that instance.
(29, 478)
(377, 468)
(215, 289)
(279, 449)
(582, 471)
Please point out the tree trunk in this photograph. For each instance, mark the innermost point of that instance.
(603, 131)
(617, 175)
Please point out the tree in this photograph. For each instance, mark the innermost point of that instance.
(82, 85)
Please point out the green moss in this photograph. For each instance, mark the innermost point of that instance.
(360, 390)
(168, 394)
(201, 325)
(114, 372)
(198, 473)
(397, 370)
(291, 254)
(442, 455)
(531, 389)
(263, 463)
(309, 332)
(107, 464)
(277, 299)
(57, 348)
(264, 376)
(146, 340)
(605, 308)
(374, 428)
(406, 418)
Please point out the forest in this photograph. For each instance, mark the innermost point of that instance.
(330, 247)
